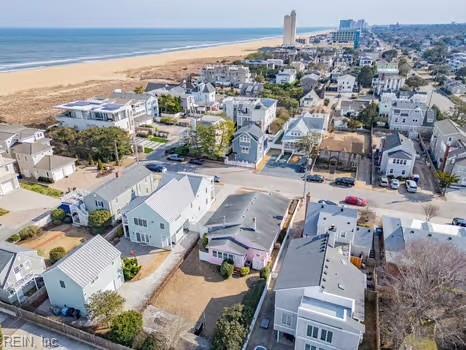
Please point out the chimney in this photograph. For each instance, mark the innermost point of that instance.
(254, 223)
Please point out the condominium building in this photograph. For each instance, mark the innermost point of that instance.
(226, 75)
(347, 36)
(387, 79)
(289, 29)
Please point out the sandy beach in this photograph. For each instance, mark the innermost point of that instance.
(27, 97)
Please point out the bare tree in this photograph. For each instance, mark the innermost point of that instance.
(425, 295)
(430, 211)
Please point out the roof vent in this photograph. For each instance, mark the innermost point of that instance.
(341, 209)
(449, 238)
(342, 287)
(429, 235)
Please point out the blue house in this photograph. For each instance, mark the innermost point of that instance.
(249, 145)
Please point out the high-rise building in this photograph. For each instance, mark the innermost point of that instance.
(289, 29)
(346, 24)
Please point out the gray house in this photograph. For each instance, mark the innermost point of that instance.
(249, 145)
(116, 194)
(20, 271)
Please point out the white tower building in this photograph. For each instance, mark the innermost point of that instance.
(289, 29)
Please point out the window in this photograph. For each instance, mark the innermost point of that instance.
(310, 347)
(312, 331)
(326, 336)
(214, 253)
(162, 225)
(62, 284)
(99, 204)
(244, 138)
(244, 149)
(286, 319)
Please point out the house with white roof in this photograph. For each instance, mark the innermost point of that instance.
(398, 156)
(286, 76)
(310, 100)
(244, 110)
(345, 84)
(397, 232)
(411, 117)
(315, 124)
(226, 75)
(161, 218)
(244, 229)
(93, 267)
(20, 272)
(387, 78)
(319, 295)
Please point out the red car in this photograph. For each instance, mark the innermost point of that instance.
(353, 200)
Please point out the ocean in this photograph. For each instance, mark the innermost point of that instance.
(30, 48)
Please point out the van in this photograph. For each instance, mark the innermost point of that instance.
(411, 186)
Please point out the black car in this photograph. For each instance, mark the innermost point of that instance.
(315, 178)
(216, 178)
(196, 161)
(157, 168)
(345, 181)
(325, 201)
(459, 222)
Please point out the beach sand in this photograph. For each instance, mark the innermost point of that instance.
(27, 97)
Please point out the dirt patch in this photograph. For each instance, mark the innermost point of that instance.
(66, 236)
(151, 264)
(197, 291)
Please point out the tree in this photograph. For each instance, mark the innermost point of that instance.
(104, 306)
(423, 296)
(100, 219)
(231, 329)
(170, 104)
(58, 215)
(403, 66)
(56, 254)
(365, 76)
(125, 327)
(130, 268)
(227, 268)
(436, 55)
(29, 232)
(446, 180)
(415, 82)
(389, 54)
(369, 115)
(139, 90)
(430, 211)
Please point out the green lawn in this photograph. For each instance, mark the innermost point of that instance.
(148, 150)
(42, 189)
(158, 139)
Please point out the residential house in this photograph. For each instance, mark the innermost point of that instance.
(142, 104)
(11, 134)
(365, 61)
(226, 75)
(116, 194)
(37, 160)
(455, 87)
(311, 100)
(21, 271)
(398, 156)
(387, 99)
(93, 267)
(251, 89)
(457, 61)
(298, 66)
(342, 151)
(352, 108)
(411, 117)
(345, 84)
(286, 76)
(387, 79)
(315, 124)
(319, 295)
(244, 229)
(309, 81)
(398, 232)
(8, 177)
(249, 145)
(448, 148)
(162, 218)
(244, 110)
(187, 100)
(204, 95)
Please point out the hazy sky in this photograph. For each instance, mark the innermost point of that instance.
(221, 13)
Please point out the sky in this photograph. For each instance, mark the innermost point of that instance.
(221, 13)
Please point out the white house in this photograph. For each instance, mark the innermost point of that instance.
(226, 75)
(204, 95)
(365, 61)
(8, 177)
(387, 99)
(11, 134)
(345, 83)
(298, 66)
(412, 117)
(387, 79)
(398, 156)
(286, 76)
(244, 110)
(94, 267)
(311, 100)
(319, 296)
(161, 219)
(315, 124)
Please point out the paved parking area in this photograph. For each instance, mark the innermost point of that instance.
(283, 167)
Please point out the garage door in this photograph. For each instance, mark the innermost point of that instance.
(68, 170)
(7, 187)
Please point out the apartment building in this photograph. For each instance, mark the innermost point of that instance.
(226, 75)
(245, 110)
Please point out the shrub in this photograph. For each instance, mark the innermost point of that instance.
(120, 232)
(154, 342)
(99, 219)
(104, 306)
(231, 329)
(205, 241)
(45, 179)
(58, 215)
(14, 238)
(125, 327)
(56, 254)
(3, 211)
(227, 268)
(29, 232)
(252, 297)
(42, 189)
(148, 150)
(265, 272)
(130, 268)
(245, 271)
(168, 120)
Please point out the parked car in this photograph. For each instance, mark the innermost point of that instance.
(395, 184)
(216, 178)
(459, 222)
(411, 186)
(353, 200)
(157, 168)
(315, 178)
(325, 201)
(345, 181)
(175, 158)
(260, 347)
(416, 178)
(384, 181)
(196, 161)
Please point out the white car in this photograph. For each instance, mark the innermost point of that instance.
(383, 181)
(411, 186)
(395, 184)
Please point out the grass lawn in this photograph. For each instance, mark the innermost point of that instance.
(148, 150)
(42, 189)
(3, 211)
(158, 139)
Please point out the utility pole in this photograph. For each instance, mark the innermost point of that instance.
(117, 157)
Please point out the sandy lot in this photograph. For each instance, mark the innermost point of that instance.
(198, 288)
(66, 236)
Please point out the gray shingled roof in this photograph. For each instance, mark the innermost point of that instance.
(54, 162)
(30, 148)
(87, 262)
(400, 155)
(251, 129)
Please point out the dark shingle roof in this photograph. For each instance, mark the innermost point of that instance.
(251, 129)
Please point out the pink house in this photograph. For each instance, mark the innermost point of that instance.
(245, 229)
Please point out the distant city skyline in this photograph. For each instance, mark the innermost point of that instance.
(220, 13)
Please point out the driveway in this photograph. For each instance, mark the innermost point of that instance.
(24, 206)
(283, 167)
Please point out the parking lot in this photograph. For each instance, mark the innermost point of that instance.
(286, 166)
